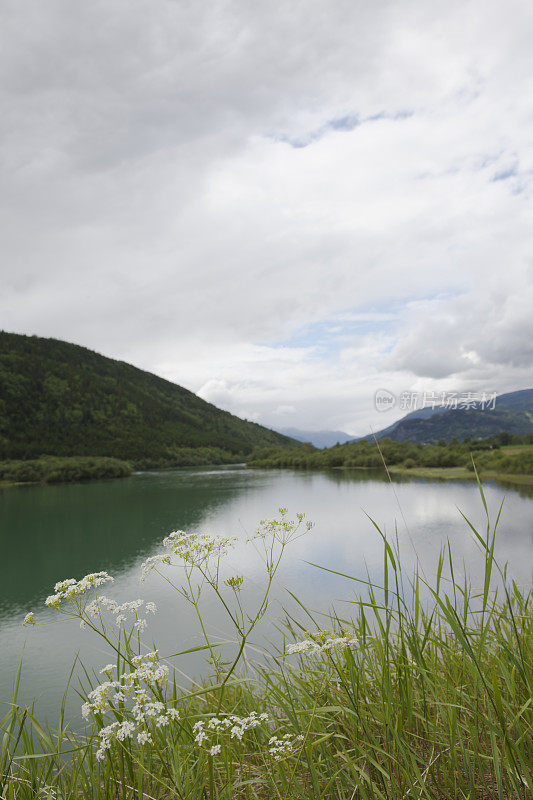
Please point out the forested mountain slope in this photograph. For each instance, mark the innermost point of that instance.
(512, 412)
(61, 399)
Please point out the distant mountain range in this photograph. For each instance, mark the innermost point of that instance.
(513, 412)
(319, 439)
(60, 399)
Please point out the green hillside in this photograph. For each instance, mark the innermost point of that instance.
(513, 413)
(60, 399)
(461, 424)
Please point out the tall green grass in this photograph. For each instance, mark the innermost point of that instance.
(422, 689)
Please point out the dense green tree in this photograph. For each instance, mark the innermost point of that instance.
(60, 399)
(487, 456)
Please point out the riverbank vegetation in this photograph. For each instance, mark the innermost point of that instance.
(191, 457)
(50, 469)
(420, 688)
(489, 455)
(54, 469)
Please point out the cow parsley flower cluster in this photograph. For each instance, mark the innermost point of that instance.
(193, 549)
(129, 695)
(151, 563)
(70, 588)
(282, 530)
(102, 604)
(280, 748)
(320, 643)
(148, 671)
(29, 619)
(231, 726)
(198, 548)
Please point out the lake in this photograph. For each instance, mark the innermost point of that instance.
(53, 532)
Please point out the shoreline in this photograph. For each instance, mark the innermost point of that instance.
(429, 473)
(461, 473)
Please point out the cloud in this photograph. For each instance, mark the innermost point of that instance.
(277, 205)
(472, 335)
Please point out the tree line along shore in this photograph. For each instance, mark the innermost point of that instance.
(502, 456)
(70, 469)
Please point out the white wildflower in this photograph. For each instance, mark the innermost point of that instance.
(320, 644)
(215, 750)
(151, 563)
(132, 606)
(151, 608)
(125, 730)
(108, 604)
(282, 530)
(29, 619)
(64, 585)
(100, 753)
(152, 709)
(279, 748)
(53, 600)
(196, 549)
(109, 731)
(144, 738)
(71, 588)
(237, 726)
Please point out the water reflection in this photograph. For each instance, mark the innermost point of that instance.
(55, 532)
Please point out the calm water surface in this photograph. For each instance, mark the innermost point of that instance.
(53, 532)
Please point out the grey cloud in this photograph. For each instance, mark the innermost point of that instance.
(150, 209)
(471, 336)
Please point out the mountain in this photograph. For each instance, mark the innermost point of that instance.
(319, 439)
(513, 412)
(419, 413)
(60, 399)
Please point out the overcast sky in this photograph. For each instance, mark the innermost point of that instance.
(282, 206)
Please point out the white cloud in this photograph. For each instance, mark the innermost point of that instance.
(154, 208)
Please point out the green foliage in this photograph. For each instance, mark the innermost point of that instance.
(487, 455)
(61, 399)
(520, 463)
(50, 469)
